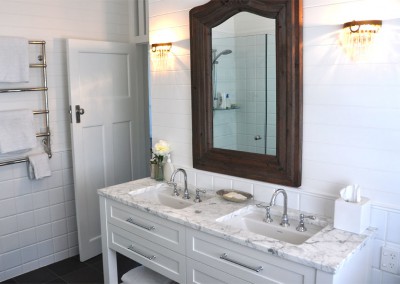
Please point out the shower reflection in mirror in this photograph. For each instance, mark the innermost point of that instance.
(244, 88)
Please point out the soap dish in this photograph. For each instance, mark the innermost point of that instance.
(234, 195)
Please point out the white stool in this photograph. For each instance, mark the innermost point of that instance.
(144, 275)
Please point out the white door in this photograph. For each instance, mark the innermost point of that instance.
(100, 76)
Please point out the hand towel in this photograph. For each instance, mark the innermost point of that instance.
(16, 131)
(144, 275)
(38, 166)
(14, 59)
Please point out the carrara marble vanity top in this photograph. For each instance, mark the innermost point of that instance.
(328, 250)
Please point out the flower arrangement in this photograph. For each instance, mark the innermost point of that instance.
(159, 151)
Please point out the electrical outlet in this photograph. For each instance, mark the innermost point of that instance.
(390, 260)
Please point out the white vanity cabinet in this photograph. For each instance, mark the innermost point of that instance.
(154, 242)
(244, 263)
(186, 255)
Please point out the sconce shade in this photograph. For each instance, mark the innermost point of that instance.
(161, 47)
(357, 36)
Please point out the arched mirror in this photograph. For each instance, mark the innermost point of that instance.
(246, 62)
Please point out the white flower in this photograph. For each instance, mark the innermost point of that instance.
(161, 148)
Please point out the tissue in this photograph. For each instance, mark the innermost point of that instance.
(351, 193)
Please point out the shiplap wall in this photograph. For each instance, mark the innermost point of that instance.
(351, 112)
(37, 218)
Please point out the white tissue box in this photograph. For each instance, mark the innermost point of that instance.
(352, 217)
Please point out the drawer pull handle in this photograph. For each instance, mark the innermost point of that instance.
(130, 220)
(225, 257)
(132, 248)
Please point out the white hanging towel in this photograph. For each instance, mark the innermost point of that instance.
(14, 59)
(38, 166)
(16, 131)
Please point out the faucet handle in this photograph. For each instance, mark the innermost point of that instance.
(197, 198)
(175, 185)
(301, 227)
(267, 218)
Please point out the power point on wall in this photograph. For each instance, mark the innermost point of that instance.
(390, 260)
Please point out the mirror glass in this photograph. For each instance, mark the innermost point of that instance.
(243, 63)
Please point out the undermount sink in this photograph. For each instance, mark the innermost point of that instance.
(162, 194)
(251, 218)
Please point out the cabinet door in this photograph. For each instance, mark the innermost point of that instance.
(203, 274)
(244, 262)
(152, 255)
(147, 226)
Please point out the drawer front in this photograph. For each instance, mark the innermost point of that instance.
(155, 229)
(203, 274)
(243, 262)
(155, 257)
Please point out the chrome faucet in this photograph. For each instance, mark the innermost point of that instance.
(186, 190)
(285, 219)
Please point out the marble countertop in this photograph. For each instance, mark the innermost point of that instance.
(328, 250)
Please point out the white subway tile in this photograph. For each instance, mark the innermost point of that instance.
(61, 255)
(44, 232)
(41, 199)
(27, 237)
(22, 186)
(56, 195)
(42, 216)
(71, 224)
(7, 207)
(8, 225)
(7, 189)
(9, 243)
(70, 208)
(29, 253)
(45, 248)
(25, 220)
(55, 180)
(59, 228)
(57, 212)
(11, 259)
(24, 203)
(47, 260)
(379, 221)
(69, 193)
(33, 265)
(393, 228)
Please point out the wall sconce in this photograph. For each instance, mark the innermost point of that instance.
(357, 36)
(161, 49)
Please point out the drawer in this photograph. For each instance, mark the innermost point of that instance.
(155, 257)
(204, 274)
(152, 228)
(242, 262)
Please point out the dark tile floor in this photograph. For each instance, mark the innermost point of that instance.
(71, 270)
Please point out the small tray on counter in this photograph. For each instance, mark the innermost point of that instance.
(234, 195)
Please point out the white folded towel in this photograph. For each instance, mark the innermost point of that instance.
(144, 275)
(38, 166)
(16, 131)
(14, 59)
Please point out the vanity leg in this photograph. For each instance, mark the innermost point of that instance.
(109, 255)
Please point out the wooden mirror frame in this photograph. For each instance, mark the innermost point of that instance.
(285, 167)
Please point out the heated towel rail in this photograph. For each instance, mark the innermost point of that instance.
(45, 110)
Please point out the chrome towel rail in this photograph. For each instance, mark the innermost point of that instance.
(45, 111)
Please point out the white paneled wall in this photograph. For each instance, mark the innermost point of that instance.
(351, 112)
(37, 218)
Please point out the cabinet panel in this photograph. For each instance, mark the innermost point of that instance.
(152, 228)
(243, 262)
(203, 274)
(155, 257)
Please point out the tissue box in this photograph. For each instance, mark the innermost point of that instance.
(352, 217)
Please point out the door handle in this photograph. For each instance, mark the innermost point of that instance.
(78, 112)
